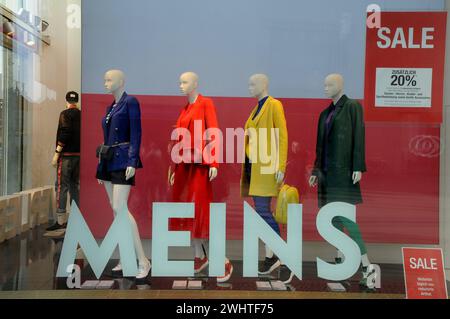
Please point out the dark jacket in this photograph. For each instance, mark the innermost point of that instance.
(124, 126)
(345, 153)
(68, 134)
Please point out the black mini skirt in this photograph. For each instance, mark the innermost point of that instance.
(116, 177)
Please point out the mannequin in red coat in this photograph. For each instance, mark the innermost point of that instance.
(195, 170)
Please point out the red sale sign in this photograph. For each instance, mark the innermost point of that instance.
(424, 273)
(405, 57)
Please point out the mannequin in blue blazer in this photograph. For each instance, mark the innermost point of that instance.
(122, 126)
(122, 130)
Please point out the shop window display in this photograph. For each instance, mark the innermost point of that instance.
(315, 153)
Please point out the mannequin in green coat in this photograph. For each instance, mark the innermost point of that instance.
(340, 150)
(340, 160)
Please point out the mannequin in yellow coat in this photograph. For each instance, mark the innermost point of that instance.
(266, 147)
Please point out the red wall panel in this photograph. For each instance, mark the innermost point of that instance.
(400, 189)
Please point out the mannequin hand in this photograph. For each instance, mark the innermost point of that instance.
(100, 182)
(279, 177)
(130, 172)
(212, 173)
(172, 179)
(313, 181)
(356, 177)
(55, 159)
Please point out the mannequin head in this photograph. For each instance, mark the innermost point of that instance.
(258, 86)
(189, 83)
(334, 86)
(114, 81)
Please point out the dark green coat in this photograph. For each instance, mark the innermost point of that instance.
(346, 153)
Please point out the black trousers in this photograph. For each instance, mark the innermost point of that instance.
(68, 181)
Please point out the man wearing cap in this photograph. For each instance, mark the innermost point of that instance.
(67, 160)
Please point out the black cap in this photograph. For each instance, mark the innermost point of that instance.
(72, 97)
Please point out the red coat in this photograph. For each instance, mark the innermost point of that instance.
(192, 179)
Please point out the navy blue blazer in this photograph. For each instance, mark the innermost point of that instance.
(124, 126)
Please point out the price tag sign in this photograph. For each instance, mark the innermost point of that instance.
(424, 273)
(402, 87)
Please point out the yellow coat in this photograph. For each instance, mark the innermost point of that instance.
(261, 144)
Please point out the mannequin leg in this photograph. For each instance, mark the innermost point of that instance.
(201, 259)
(354, 232)
(365, 260)
(198, 249)
(269, 252)
(337, 223)
(201, 248)
(369, 272)
(109, 192)
(120, 206)
(205, 247)
(262, 207)
(228, 272)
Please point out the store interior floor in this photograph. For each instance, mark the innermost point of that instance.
(28, 266)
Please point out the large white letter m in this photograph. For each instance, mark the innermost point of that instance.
(78, 233)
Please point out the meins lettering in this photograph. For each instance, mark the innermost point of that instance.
(119, 235)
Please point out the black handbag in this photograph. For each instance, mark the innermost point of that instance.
(104, 152)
